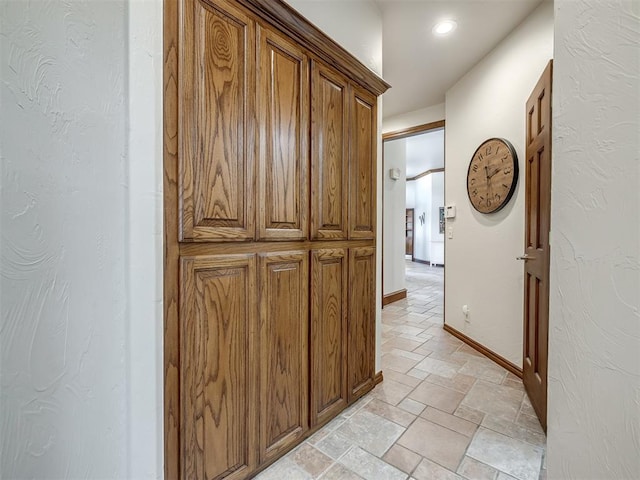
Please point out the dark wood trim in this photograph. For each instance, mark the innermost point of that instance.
(286, 19)
(490, 354)
(411, 131)
(417, 260)
(394, 297)
(171, 248)
(378, 378)
(425, 173)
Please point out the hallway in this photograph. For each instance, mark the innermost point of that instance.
(443, 411)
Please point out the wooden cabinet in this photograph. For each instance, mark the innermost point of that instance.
(361, 323)
(329, 153)
(270, 204)
(218, 377)
(329, 391)
(283, 121)
(217, 90)
(284, 363)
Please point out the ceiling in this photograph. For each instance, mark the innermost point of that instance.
(420, 66)
(423, 152)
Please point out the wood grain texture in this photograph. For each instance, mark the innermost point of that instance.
(362, 164)
(394, 296)
(329, 153)
(362, 321)
(283, 117)
(218, 369)
(267, 247)
(287, 20)
(217, 102)
(171, 248)
(284, 355)
(411, 131)
(329, 390)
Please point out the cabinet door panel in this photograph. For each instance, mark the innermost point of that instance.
(329, 393)
(329, 154)
(362, 320)
(284, 317)
(218, 377)
(215, 123)
(362, 165)
(284, 129)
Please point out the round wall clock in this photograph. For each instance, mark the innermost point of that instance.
(492, 175)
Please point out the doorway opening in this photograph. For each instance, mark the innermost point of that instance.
(413, 217)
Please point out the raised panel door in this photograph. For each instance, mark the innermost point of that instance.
(283, 118)
(329, 153)
(218, 373)
(216, 126)
(362, 321)
(362, 164)
(284, 357)
(329, 392)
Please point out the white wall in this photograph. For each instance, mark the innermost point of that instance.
(437, 201)
(422, 231)
(393, 234)
(482, 272)
(80, 248)
(357, 26)
(594, 338)
(422, 116)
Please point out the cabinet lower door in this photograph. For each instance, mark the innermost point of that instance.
(362, 321)
(284, 355)
(329, 391)
(218, 377)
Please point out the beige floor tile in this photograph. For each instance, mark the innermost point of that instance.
(529, 422)
(493, 399)
(451, 422)
(338, 472)
(436, 443)
(438, 367)
(284, 468)
(514, 457)
(398, 363)
(335, 445)
(475, 470)
(371, 432)
(391, 392)
(507, 427)
(402, 458)
(390, 412)
(402, 344)
(428, 470)
(443, 398)
(460, 382)
(469, 414)
(401, 378)
(412, 406)
(311, 460)
(369, 467)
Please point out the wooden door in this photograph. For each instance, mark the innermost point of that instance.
(537, 226)
(283, 119)
(218, 376)
(408, 232)
(329, 154)
(216, 125)
(284, 356)
(362, 321)
(328, 344)
(362, 164)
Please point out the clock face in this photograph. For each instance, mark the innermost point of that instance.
(492, 175)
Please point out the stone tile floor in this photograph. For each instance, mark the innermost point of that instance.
(442, 412)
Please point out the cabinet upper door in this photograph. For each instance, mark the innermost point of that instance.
(362, 320)
(283, 119)
(329, 154)
(362, 164)
(218, 372)
(216, 126)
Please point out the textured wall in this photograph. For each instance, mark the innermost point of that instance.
(481, 267)
(63, 283)
(395, 197)
(594, 339)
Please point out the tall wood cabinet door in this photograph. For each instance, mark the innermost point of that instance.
(216, 126)
(218, 320)
(362, 320)
(283, 119)
(362, 164)
(284, 355)
(329, 390)
(329, 154)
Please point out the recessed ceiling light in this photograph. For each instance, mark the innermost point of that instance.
(445, 27)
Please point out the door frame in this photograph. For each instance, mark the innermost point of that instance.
(396, 135)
